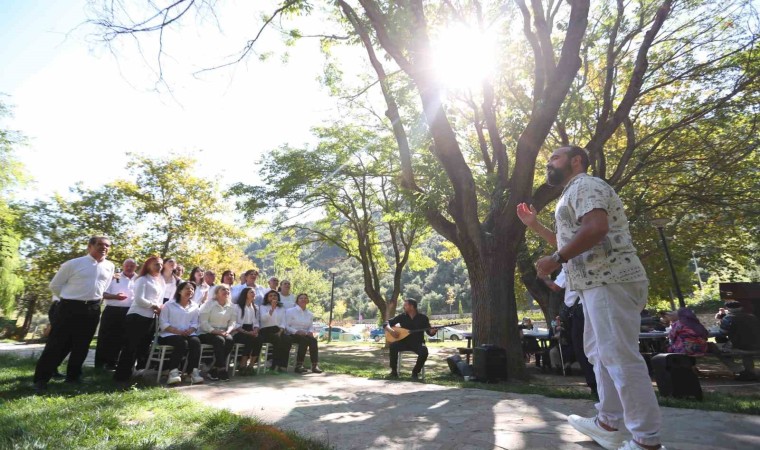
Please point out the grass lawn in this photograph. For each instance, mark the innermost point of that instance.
(370, 360)
(97, 416)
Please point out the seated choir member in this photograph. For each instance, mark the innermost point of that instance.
(178, 323)
(247, 331)
(272, 320)
(217, 320)
(299, 325)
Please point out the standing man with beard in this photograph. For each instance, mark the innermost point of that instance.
(81, 284)
(594, 243)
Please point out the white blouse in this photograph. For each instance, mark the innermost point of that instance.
(149, 291)
(214, 316)
(200, 291)
(288, 301)
(276, 319)
(247, 316)
(171, 288)
(174, 315)
(297, 319)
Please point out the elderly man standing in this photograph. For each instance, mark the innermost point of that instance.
(81, 284)
(594, 243)
(112, 333)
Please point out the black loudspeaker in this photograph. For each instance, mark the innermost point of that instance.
(675, 376)
(490, 363)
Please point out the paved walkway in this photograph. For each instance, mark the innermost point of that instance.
(357, 413)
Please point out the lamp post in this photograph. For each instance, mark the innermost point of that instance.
(333, 271)
(660, 224)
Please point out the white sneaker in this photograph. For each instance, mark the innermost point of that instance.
(632, 445)
(174, 377)
(611, 440)
(196, 377)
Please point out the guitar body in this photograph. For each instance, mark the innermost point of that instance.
(402, 334)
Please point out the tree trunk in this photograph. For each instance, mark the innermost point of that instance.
(494, 310)
(28, 316)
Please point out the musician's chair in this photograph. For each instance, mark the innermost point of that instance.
(414, 361)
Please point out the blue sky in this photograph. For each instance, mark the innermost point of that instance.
(83, 108)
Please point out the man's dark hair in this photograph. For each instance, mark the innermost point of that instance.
(412, 302)
(250, 272)
(94, 240)
(577, 151)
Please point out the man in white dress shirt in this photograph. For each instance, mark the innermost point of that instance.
(112, 334)
(81, 284)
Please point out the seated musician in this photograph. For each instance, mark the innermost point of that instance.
(416, 322)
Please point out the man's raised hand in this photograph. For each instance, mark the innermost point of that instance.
(527, 214)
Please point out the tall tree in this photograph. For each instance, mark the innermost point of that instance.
(57, 230)
(348, 177)
(11, 175)
(640, 75)
(184, 216)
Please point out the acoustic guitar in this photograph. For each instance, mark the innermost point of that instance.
(403, 332)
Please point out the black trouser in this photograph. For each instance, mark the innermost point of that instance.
(403, 346)
(111, 336)
(140, 331)
(222, 347)
(248, 341)
(74, 326)
(303, 342)
(281, 344)
(180, 346)
(576, 322)
(52, 314)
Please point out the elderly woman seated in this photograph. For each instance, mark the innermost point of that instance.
(687, 335)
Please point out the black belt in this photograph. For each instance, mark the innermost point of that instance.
(79, 302)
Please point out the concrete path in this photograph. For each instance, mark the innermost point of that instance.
(356, 413)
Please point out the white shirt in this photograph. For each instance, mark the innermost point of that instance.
(200, 291)
(277, 319)
(170, 289)
(297, 319)
(570, 295)
(260, 291)
(214, 316)
(174, 315)
(611, 261)
(82, 278)
(124, 286)
(288, 301)
(236, 290)
(247, 316)
(149, 291)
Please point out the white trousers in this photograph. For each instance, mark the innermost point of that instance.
(611, 341)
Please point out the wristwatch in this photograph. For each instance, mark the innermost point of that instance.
(557, 258)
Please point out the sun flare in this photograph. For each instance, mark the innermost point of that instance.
(463, 57)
